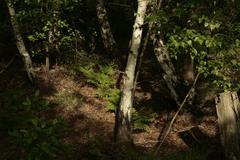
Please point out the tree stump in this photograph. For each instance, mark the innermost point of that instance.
(228, 111)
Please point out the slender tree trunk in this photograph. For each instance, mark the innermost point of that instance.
(162, 55)
(123, 120)
(188, 70)
(155, 6)
(48, 48)
(20, 43)
(105, 29)
(169, 74)
(228, 112)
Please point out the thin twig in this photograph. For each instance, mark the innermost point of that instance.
(164, 136)
(8, 64)
(119, 4)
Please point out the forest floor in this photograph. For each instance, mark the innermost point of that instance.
(91, 122)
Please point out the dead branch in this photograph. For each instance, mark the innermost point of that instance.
(169, 126)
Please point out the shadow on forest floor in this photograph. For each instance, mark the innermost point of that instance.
(91, 124)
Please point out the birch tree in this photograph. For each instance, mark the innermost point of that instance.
(123, 120)
(160, 50)
(169, 74)
(19, 41)
(163, 57)
(105, 29)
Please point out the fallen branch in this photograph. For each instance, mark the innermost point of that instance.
(169, 126)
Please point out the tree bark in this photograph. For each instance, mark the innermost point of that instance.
(228, 112)
(162, 55)
(105, 29)
(169, 74)
(123, 120)
(188, 70)
(153, 10)
(19, 42)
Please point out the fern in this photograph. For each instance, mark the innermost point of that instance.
(101, 76)
(113, 99)
(142, 119)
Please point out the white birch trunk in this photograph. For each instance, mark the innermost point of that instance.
(105, 29)
(228, 112)
(169, 73)
(19, 42)
(123, 120)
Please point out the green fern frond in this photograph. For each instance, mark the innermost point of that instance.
(101, 75)
(142, 119)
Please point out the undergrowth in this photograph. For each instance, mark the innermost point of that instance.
(103, 75)
(32, 135)
(142, 119)
(94, 150)
(69, 100)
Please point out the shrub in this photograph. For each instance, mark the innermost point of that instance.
(32, 134)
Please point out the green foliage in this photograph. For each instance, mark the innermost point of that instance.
(47, 29)
(70, 100)
(102, 76)
(56, 35)
(32, 134)
(207, 35)
(142, 118)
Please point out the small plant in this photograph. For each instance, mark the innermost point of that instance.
(33, 135)
(141, 119)
(69, 100)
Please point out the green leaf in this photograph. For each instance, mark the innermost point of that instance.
(31, 38)
(35, 122)
(206, 24)
(189, 42)
(214, 26)
(37, 93)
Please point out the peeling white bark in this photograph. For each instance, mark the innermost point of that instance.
(123, 121)
(169, 73)
(20, 43)
(105, 29)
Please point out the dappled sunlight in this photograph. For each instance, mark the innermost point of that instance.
(119, 80)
